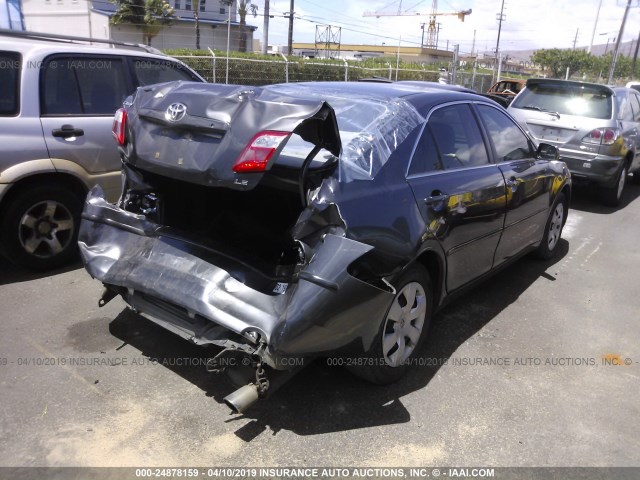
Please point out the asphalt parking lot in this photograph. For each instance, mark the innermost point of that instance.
(542, 369)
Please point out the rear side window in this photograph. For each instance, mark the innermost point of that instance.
(425, 158)
(9, 83)
(458, 137)
(508, 140)
(151, 71)
(566, 99)
(83, 86)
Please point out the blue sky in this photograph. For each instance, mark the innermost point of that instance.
(530, 24)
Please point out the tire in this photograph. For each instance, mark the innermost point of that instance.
(402, 331)
(612, 196)
(553, 229)
(39, 227)
(635, 179)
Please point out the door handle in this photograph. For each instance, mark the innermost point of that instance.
(437, 198)
(67, 131)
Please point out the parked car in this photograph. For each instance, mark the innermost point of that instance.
(300, 220)
(57, 102)
(506, 89)
(594, 126)
(634, 85)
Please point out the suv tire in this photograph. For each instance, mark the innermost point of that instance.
(39, 228)
(612, 196)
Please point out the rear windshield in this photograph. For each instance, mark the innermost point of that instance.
(371, 129)
(566, 99)
(9, 83)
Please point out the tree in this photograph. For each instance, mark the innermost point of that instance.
(245, 7)
(148, 15)
(557, 61)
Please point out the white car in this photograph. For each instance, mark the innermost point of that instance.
(634, 85)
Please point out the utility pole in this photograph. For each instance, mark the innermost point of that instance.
(575, 40)
(265, 28)
(635, 57)
(454, 72)
(500, 20)
(473, 45)
(617, 49)
(593, 34)
(290, 41)
(422, 41)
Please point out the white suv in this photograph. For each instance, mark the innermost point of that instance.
(57, 102)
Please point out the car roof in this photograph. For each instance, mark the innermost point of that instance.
(33, 46)
(417, 94)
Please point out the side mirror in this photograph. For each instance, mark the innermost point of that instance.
(547, 152)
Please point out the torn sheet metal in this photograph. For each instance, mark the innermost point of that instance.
(325, 310)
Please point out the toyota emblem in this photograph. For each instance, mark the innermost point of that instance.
(175, 112)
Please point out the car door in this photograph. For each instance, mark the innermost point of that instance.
(460, 194)
(78, 96)
(528, 181)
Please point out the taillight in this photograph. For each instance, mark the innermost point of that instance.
(261, 148)
(119, 125)
(602, 136)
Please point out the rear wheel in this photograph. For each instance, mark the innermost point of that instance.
(553, 229)
(402, 331)
(39, 228)
(612, 196)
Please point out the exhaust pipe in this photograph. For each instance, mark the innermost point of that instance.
(245, 397)
(242, 399)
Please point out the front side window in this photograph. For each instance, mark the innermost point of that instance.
(457, 137)
(10, 81)
(508, 140)
(151, 71)
(82, 86)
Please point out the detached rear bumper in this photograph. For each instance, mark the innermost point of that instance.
(323, 310)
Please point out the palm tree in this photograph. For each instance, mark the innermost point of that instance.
(149, 15)
(245, 7)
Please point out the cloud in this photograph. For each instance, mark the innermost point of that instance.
(528, 25)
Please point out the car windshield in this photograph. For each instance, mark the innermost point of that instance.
(371, 128)
(567, 99)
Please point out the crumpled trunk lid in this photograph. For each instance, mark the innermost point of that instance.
(195, 132)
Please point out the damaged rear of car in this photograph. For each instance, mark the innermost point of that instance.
(295, 221)
(229, 230)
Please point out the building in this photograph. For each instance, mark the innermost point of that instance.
(90, 18)
(11, 15)
(361, 52)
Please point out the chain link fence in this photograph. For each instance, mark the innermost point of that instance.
(244, 71)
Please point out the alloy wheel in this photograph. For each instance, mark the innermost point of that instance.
(46, 229)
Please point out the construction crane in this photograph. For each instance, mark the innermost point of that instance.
(431, 29)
